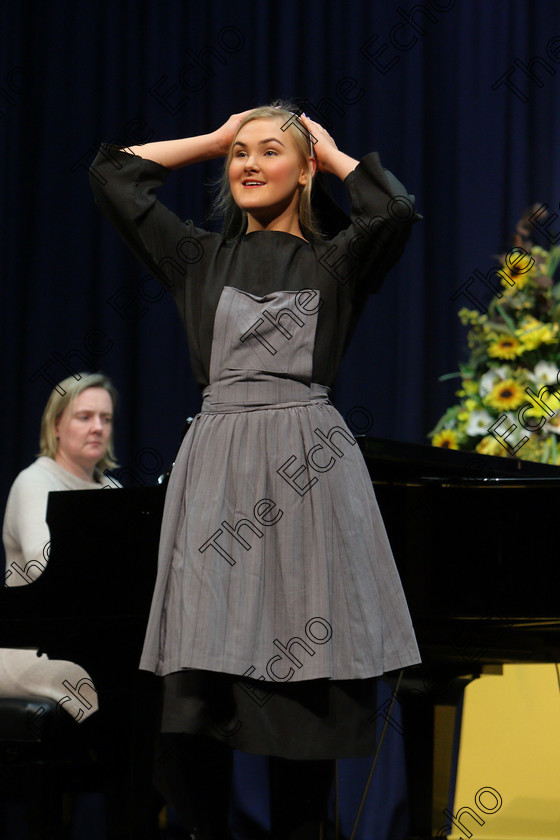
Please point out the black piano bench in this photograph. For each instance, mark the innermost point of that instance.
(41, 761)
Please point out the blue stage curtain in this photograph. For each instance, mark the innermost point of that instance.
(413, 81)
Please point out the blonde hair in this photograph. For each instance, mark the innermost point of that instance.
(61, 397)
(235, 219)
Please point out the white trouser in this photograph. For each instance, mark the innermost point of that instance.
(25, 674)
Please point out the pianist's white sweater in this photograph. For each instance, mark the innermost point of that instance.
(26, 540)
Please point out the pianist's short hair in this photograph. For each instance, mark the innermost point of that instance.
(61, 397)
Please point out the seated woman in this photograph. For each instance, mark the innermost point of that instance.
(76, 447)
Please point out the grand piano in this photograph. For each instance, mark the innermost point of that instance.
(469, 537)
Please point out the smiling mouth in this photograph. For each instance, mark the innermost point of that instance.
(251, 184)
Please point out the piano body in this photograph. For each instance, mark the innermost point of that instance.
(90, 605)
(475, 559)
(466, 532)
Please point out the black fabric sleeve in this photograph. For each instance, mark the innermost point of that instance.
(382, 215)
(124, 188)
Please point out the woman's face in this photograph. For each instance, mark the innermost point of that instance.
(84, 429)
(265, 173)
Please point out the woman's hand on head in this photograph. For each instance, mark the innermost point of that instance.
(323, 144)
(328, 155)
(224, 135)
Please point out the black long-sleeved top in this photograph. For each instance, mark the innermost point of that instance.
(195, 264)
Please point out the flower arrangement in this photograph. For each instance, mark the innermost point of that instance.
(510, 385)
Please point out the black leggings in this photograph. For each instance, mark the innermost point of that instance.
(193, 773)
(299, 795)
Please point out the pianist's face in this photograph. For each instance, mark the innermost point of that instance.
(83, 430)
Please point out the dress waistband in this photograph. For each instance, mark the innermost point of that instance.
(255, 395)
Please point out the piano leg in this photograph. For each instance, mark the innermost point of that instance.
(299, 795)
(145, 801)
(446, 735)
(429, 709)
(122, 734)
(418, 728)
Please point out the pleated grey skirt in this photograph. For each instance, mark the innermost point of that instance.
(274, 561)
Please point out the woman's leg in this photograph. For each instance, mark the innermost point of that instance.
(299, 795)
(193, 773)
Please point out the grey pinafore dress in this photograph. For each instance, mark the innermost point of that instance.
(274, 565)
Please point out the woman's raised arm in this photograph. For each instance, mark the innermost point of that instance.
(174, 154)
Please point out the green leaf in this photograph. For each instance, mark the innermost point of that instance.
(506, 318)
(553, 260)
(449, 420)
(446, 376)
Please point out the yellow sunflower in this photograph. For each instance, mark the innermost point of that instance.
(515, 282)
(505, 347)
(516, 272)
(446, 439)
(506, 395)
(534, 332)
(490, 446)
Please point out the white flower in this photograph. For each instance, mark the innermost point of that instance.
(544, 373)
(488, 380)
(552, 426)
(479, 423)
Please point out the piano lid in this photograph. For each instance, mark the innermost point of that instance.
(397, 461)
